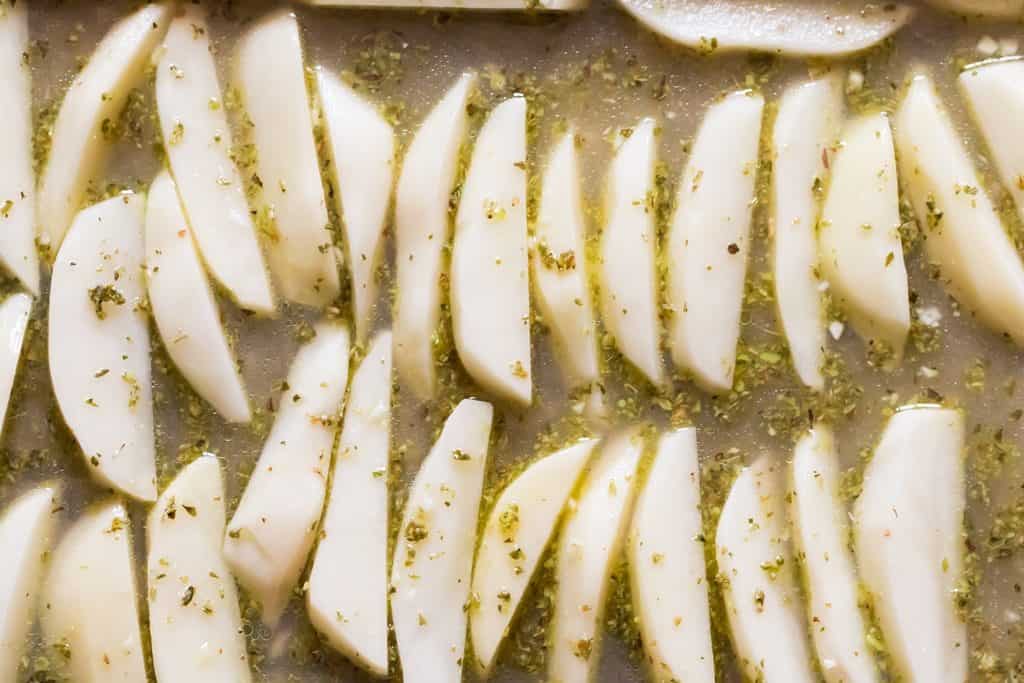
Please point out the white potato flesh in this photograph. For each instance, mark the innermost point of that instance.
(14, 314)
(762, 597)
(347, 594)
(194, 124)
(667, 571)
(709, 239)
(89, 600)
(997, 9)
(627, 267)
(78, 151)
(965, 237)
(995, 97)
(909, 535)
(183, 306)
(590, 542)
(433, 562)
(26, 534)
(821, 534)
(275, 524)
(858, 236)
(421, 231)
(99, 344)
(362, 151)
(18, 253)
(798, 27)
(490, 269)
(543, 5)
(560, 266)
(194, 620)
(272, 81)
(518, 530)
(806, 126)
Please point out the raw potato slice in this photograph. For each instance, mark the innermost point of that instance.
(347, 595)
(965, 237)
(908, 529)
(26, 533)
(275, 524)
(542, 5)
(194, 619)
(78, 151)
(798, 27)
(89, 600)
(183, 305)
(195, 127)
(362, 147)
(709, 240)
(560, 266)
(519, 528)
(627, 269)
(14, 314)
(995, 96)
(998, 9)
(806, 126)
(272, 80)
(421, 231)
(861, 252)
(821, 533)
(433, 562)
(591, 539)
(99, 345)
(762, 599)
(490, 269)
(668, 574)
(18, 253)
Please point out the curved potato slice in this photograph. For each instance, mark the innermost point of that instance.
(709, 239)
(14, 314)
(272, 79)
(26, 533)
(433, 562)
(421, 231)
(275, 524)
(807, 124)
(762, 599)
(560, 265)
(821, 533)
(17, 179)
(908, 529)
(997, 9)
(195, 127)
(861, 252)
(591, 539)
(490, 269)
(965, 237)
(627, 268)
(194, 620)
(668, 574)
(89, 600)
(99, 345)
(183, 305)
(347, 598)
(995, 96)
(542, 5)
(797, 27)
(518, 530)
(363, 154)
(98, 93)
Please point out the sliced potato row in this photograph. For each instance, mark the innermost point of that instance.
(789, 575)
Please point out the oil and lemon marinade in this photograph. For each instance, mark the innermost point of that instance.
(593, 74)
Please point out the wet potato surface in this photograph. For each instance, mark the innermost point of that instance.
(597, 71)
